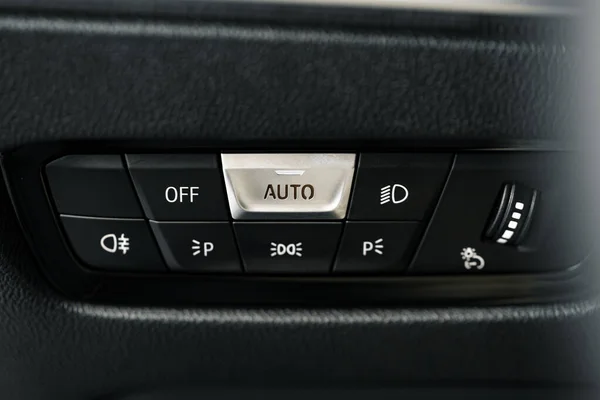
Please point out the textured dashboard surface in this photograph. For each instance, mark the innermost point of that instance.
(207, 83)
(93, 80)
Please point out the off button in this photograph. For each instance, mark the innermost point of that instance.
(184, 187)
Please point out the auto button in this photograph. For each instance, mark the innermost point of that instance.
(288, 186)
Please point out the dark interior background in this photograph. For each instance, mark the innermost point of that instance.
(269, 76)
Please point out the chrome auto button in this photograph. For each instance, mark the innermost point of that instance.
(288, 186)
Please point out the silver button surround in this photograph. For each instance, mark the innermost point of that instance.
(288, 186)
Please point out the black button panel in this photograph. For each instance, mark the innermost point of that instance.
(184, 187)
(197, 246)
(398, 187)
(372, 247)
(113, 244)
(288, 248)
(499, 212)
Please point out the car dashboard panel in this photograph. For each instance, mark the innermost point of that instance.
(292, 199)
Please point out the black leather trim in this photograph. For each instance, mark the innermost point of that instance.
(85, 79)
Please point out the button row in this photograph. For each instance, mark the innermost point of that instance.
(148, 212)
(500, 212)
(280, 248)
(192, 187)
